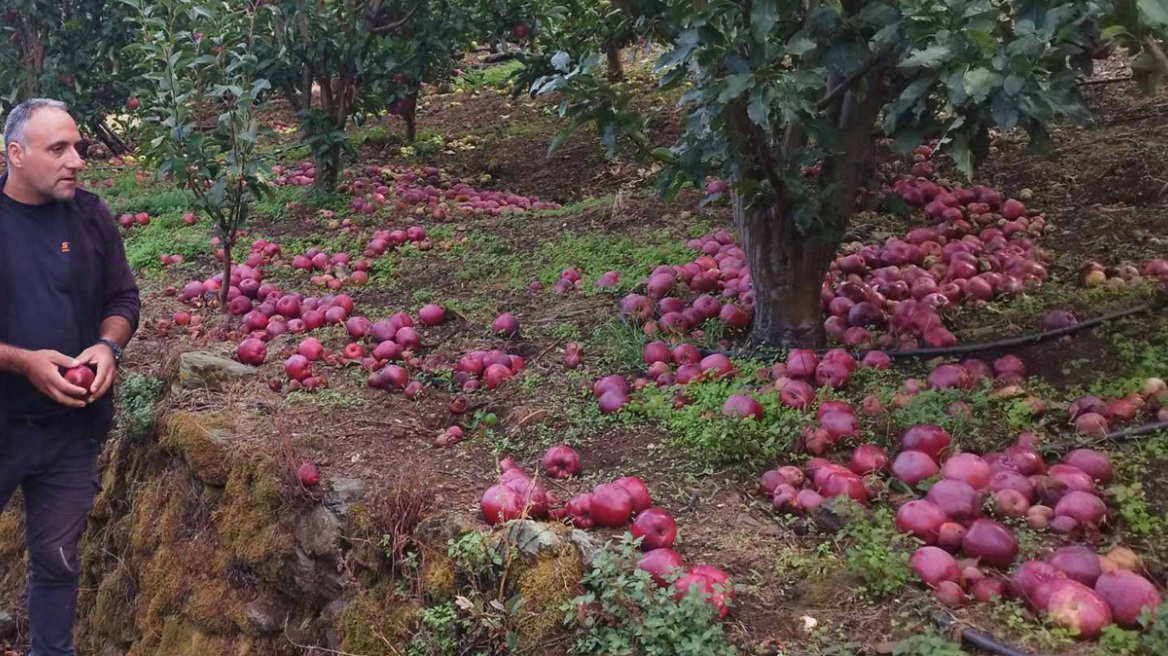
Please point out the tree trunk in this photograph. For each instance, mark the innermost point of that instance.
(411, 118)
(107, 137)
(786, 270)
(306, 84)
(223, 289)
(328, 169)
(616, 68)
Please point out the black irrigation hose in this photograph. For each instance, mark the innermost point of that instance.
(1114, 436)
(965, 349)
(1025, 340)
(977, 639)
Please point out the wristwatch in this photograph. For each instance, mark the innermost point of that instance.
(113, 347)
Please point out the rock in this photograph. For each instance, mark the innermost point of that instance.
(532, 537)
(330, 618)
(344, 492)
(313, 578)
(835, 513)
(199, 369)
(7, 625)
(584, 545)
(266, 616)
(204, 441)
(318, 532)
(110, 649)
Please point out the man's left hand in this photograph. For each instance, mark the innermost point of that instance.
(102, 357)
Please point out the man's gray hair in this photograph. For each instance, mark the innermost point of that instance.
(17, 119)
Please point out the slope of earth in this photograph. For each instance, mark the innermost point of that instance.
(803, 585)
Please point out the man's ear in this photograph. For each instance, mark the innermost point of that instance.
(15, 154)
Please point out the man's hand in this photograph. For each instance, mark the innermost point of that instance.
(42, 369)
(101, 356)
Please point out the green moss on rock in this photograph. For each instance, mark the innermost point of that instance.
(202, 440)
(378, 622)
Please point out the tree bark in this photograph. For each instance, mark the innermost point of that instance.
(787, 265)
(786, 270)
(225, 287)
(616, 68)
(411, 118)
(107, 137)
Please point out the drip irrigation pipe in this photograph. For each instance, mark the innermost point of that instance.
(977, 639)
(1114, 436)
(965, 349)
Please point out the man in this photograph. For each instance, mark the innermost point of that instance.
(67, 298)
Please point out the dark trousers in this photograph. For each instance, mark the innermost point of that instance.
(54, 463)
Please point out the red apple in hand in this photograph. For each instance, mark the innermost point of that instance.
(656, 528)
(81, 376)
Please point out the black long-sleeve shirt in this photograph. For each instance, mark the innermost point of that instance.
(63, 271)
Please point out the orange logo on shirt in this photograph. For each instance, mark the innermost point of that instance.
(64, 247)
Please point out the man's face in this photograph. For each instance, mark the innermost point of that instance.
(47, 162)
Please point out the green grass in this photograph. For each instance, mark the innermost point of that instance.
(493, 77)
(631, 255)
(1024, 313)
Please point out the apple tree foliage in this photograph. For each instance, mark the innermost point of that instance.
(71, 50)
(776, 88)
(200, 104)
(1140, 26)
(338, 61)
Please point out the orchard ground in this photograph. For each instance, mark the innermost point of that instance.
(801, 589)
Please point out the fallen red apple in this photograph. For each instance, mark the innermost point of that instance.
(637, 490)
(309, 475)
(993, 543)
(1073, 606)
(612, 505)
(501, 504)
(1127, 594)
(660, 563)
(921, 518)
(934, 565)
(561, 461)
(252, 351)
(656, 527)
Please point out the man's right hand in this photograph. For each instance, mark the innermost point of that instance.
(42, 369)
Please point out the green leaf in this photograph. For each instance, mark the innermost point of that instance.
(1154, 11)
(664, 155)
(560, 61)
(1004, 112)
(979, 82)
(685, 44)
(763, 16)
(930, 57)
(958, 151)
(799, 45)
(1013, 84)
(985, 42)
(735, 85)
(1115, 31)
(906, 141)
(759, 109)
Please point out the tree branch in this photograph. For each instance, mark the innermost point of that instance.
(396, 24)
(855, 75)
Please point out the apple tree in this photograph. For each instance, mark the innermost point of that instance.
(787, 100)
(71, 50)
(359, 57)
(1140, 26)
(578, 26)
(200, 107)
